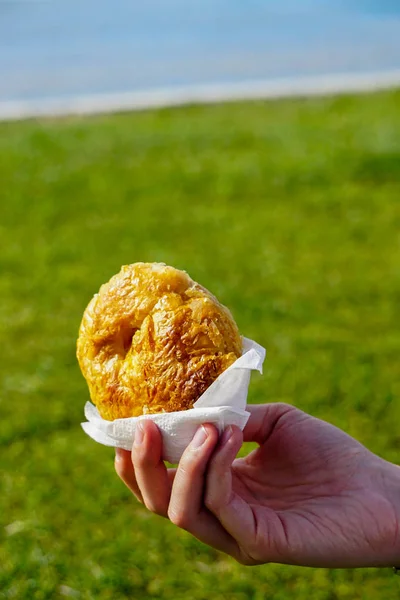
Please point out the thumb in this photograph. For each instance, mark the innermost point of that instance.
(264, 418)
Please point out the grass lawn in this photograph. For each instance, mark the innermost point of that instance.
(290, 213)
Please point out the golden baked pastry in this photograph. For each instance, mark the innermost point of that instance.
(153, 340)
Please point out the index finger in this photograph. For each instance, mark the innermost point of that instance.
(152, 476)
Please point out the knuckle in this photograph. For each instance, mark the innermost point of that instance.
(179, 518)
(216, 465)
(141, 460)
(211, 503)
(189, 468)
(185, 473)
(121, 469)
(252, 554)
(156, 509)
(191, 458)
(244, 559)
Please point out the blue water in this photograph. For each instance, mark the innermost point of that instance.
(59, 48)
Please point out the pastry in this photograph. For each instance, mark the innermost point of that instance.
(153, 340)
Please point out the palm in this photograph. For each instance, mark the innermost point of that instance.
(307, 490)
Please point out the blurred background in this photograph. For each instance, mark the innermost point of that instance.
(59, 49)
(288, 210)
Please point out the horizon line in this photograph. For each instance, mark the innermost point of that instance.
(212, 93)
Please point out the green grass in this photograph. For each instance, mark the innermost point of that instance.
(288, 211)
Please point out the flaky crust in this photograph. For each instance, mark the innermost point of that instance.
(153, 340)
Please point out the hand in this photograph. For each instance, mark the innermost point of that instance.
(308, 495)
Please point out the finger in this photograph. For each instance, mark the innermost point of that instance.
(186, 508)
(152, 477)
(125, 471)
(233, 513)
(264, 418)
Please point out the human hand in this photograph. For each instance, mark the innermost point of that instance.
(308, 495)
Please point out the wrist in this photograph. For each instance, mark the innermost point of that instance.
(389, 477)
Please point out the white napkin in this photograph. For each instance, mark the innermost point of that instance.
(222, 404)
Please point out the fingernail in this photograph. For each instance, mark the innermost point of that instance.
(226, 436)
(118, 454)
(139, 434)
(200, 437)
